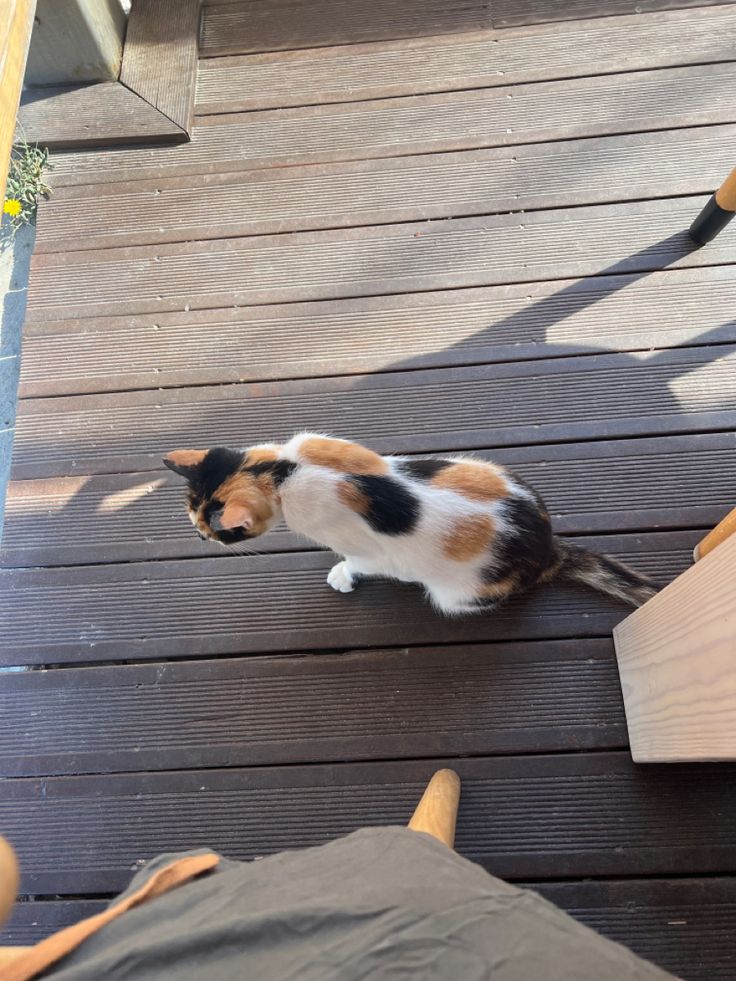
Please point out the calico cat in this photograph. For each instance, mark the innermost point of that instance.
(471, 532)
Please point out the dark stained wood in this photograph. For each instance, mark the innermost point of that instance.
(683, 925)
(677, 307)
(507, 13)
(547, 175)
(532, 817)
(169, 29)
(106, 113)
(512, 115)
(262, 604)
(578, 339)
(382, 259)
(151, 103)
(299, 24)
(444, 63)
(33, 921)
(509, 698)
(563, 400)
(620, 485)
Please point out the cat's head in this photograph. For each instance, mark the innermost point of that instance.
(233, 494)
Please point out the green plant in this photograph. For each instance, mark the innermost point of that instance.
(26, 183)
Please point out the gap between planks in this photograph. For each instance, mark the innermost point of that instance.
(375, 260)
(530, 113)
(467, 61)
(616, 486)
(277, 603)
(535, 177)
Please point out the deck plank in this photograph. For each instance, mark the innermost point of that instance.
(677, 307)
(509, 698)
(548, 346)
(487, 58)
(602, 396)
(683, 925)
(274, 603)
(507, 13)
(168, 81)
(621, 485)
(296, 24)
(376, 260)
(34, 920)
(521, 817)
(103, 113)
(548, 175)
(530, 113)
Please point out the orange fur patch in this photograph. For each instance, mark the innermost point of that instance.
(186, 458)
(502, 589)
(352, 497)
(252, 493)
(468, 538)
(477, 481)
(260, 455)
(344, 457)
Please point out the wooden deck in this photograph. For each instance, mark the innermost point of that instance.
(430, 227)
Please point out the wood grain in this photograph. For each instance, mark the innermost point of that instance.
(295, 24)
(509, 12)
(608, 486)
(160, 56)
(474, 60)
(676, 307)
(564, 399)
(376, 260)
(269, 603)
(74, 42)
(682, 925)
(151, 103)
(391, 704)
(526, 178)
(675, 657)
(539, 817)
(104, 114)
(512, 115)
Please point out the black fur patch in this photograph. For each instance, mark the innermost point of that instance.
(392, 509)
(527, 548)
(217, 466)
(424, 468)
(279, 470)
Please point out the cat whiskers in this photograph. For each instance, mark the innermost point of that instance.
(240, 548)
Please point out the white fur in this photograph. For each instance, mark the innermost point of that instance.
(311, 507)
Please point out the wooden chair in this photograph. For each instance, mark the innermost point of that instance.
(717, 213)
(436, 815)
(676, 660)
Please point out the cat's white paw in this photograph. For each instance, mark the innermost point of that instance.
(340, 579)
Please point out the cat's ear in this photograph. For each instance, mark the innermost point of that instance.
(185, 462)
(235, 515)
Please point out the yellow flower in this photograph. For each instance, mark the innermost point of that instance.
(12, 207)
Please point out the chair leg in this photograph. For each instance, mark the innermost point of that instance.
(719, 534)
(717, 213)
(436, 813)
(9, 879)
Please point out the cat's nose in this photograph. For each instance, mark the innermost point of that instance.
(216, 520)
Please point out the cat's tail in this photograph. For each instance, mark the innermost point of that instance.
(601, 573)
